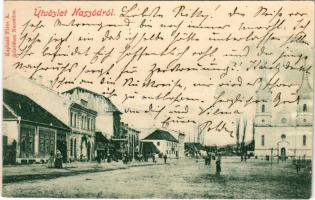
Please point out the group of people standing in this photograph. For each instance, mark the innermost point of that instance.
(55, 161)
(217, 159)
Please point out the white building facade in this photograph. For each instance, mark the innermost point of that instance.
(279, 135)
(164, 141)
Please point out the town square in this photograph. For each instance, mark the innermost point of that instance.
(158, 100)
(182, 178)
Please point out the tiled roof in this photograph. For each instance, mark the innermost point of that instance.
(28, 110)
(160, 135)
(47, 98)
(109, 105)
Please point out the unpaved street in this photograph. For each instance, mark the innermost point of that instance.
(184, 178)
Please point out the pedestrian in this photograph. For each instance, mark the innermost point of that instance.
(51, 160)
(58, 160)
(98, 159)
(153, 158)
(165, 158)
(124, 158)
(218, 165)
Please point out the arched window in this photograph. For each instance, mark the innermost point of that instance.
(71, 119)
(304, 108)
(304, 140)
(262, 140)
(263, 108)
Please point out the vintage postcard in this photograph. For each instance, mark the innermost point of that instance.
(158, 99)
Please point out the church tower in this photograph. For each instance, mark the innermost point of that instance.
(263, 106)
(305, 103)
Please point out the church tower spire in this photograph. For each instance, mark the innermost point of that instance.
(263, 106)
(305, 103)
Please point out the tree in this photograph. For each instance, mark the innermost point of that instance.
(237, 135)
(243, 150)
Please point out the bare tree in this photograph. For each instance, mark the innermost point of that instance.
(237, 135)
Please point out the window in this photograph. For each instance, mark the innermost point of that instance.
(284, 120)
(27, 140)
(304, 140)
(88, 123)
(46, 142)
(78, 121)
(283, 136)
(71, 147)
(75, 148)
(71, 118)
(262, 140)
(83, 102)
(75, 120)
(304, 108)
(263, 108)
(158, 143)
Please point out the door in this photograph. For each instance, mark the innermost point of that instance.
(62, 147)
(62, 144)
(89, 151)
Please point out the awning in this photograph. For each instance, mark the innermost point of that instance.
(119, 139)
(100, 138)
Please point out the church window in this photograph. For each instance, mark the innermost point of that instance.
(284, 120)
(263, 108)
(304, 140)
(158, 143)
(283, 136)
(304, 108)
(262, 140)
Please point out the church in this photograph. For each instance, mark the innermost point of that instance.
(279, 135)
